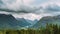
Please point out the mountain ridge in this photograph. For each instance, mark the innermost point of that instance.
(47, 19)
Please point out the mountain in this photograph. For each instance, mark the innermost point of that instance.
(27, 22)
(31, 21)
(23, 22)
(8, 21)
(47, 19)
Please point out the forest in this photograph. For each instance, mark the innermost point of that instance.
(49, 29)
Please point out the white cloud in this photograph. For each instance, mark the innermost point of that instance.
(28, 1)
(2, 12)
(16, 4)
(31, 16)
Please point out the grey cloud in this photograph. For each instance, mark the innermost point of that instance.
(4, 7)
(50, 8)
(27, 9)
(17, 8)
(8, 10)
(53, 8)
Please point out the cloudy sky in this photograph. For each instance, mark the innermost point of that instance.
(30, 9)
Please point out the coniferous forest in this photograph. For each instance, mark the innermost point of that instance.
(49, 29)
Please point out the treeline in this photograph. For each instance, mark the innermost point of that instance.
(49, 29)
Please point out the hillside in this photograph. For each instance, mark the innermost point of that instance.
(48, 19)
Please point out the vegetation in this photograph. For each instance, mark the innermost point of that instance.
(50, 29)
